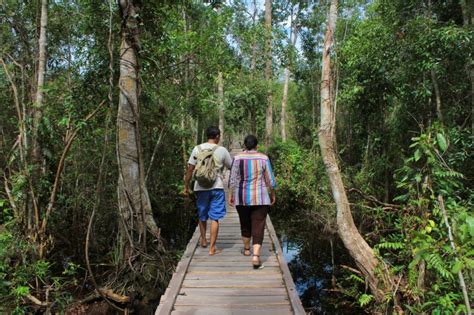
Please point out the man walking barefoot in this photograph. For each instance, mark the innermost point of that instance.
(210, 200)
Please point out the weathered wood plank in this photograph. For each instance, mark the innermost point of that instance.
(242, 310)
(236, 258)
(232, 291)
(237, 283)
(224, 269)
(230, 264)
(251, 272)
(232, 300)
(232, 276)
(228, 252)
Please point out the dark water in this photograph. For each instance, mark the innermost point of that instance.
(314, 260)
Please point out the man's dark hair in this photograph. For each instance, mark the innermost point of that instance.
(250, 142)
(212, 132)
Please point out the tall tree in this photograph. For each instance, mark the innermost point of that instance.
(268, 72)
(358, 248)
(467, 7)
(40, 74)
(220, 98)
(220, 88)
(284, 100)
(33, 211)
(133, 200)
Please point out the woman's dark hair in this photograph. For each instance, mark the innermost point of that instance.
(212, 132)
(250, 142)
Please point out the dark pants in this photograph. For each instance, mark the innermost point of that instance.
(252, 222)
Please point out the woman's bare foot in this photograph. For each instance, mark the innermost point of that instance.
(214, 251)
(203, 242)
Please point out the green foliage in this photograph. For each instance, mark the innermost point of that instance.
(19, 269)
(302, 183)
(422, 241)
(365, 299)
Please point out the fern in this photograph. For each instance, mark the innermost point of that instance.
(391, 245)
(356, 278)
(365, 299)
(436, 262)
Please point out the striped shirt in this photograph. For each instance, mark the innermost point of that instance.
(250, 175)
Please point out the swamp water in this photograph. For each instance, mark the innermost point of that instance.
(314, 260)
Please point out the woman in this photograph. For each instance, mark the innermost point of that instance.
(252, 192)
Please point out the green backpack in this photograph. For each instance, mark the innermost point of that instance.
(205, 171)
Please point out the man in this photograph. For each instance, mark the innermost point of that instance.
(210, 201)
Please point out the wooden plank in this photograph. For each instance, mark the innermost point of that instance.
(229, 264)
(176, 281)
(232, 276)
(232, 291)
(290, 285)
(227, 243)
(245, 272)
(235, 246)
(232, 300)
(236, 258)
(229, 252)
(224, 269)
(242, 310)
(238, 283)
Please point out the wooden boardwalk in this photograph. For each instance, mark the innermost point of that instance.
(227, 283)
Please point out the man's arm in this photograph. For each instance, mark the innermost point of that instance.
(187, 179)
(228, 160)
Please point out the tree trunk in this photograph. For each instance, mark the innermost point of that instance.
(284, 100)
(39, 96)
(268, 72)
(467, 7)
(253, 64)
(358, 248)
(220, 97)
(33, 216)
(134, 203)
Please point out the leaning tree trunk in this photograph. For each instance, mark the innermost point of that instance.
(133, 201)
(268, 72)
(358, 248)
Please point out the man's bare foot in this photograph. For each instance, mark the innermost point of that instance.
(203, 242)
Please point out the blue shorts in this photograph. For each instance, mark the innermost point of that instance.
(211, 204)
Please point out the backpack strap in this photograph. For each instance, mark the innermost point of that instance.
(215, 148)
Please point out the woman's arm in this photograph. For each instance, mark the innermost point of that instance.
(270, 181)
(234, 179)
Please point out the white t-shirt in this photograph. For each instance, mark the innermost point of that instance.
(222, 158)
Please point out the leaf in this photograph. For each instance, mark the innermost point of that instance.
(470, 223)
(365, 299)
(417, 155)
(457, 267)
(443, 145)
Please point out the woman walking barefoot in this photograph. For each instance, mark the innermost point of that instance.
(252, 187)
